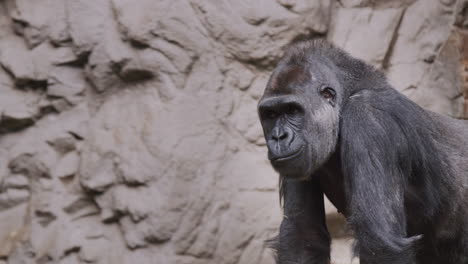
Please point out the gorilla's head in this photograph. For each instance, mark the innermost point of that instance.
(300, 109)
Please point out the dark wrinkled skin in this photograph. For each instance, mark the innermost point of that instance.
(334, 126)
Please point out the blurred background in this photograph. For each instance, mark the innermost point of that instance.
(129, 132)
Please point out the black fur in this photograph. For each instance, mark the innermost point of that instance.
(396, 171)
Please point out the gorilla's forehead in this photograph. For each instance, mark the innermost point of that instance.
(287, 79)
(293, 78)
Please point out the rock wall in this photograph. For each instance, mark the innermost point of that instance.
(128, 129)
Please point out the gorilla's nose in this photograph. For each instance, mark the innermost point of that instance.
(281, 135)
(280, 144)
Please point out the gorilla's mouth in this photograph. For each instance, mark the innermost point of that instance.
(287, 157)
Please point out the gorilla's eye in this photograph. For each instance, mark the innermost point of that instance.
(328, 93)
(270, 114)
(293, 109)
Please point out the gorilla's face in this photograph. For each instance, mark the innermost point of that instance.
(299, 113)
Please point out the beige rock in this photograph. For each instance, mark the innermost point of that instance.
(67, 166)
(14, 222)
(129, 130)
(355, 26)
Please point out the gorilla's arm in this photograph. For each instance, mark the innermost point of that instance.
(303, 237)
(374, 151)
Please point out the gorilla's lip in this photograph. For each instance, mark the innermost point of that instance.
(288, 157)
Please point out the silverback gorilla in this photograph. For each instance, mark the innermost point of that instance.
(334, 126)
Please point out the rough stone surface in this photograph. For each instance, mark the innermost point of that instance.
(128, 129)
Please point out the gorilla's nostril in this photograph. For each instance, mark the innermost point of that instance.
(283, 136)
(280, 135)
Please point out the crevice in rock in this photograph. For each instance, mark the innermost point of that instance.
(10, 124)
(26, 83)
(81, 59)
(72, 250)
(129, 74)
(391, 45)
(138, 44)
(45, 217)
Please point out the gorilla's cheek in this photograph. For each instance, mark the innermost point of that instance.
(316, 142)
(323, 135)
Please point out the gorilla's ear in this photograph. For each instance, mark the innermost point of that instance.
(374, 142)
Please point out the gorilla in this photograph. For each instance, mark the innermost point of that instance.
(398, 173)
